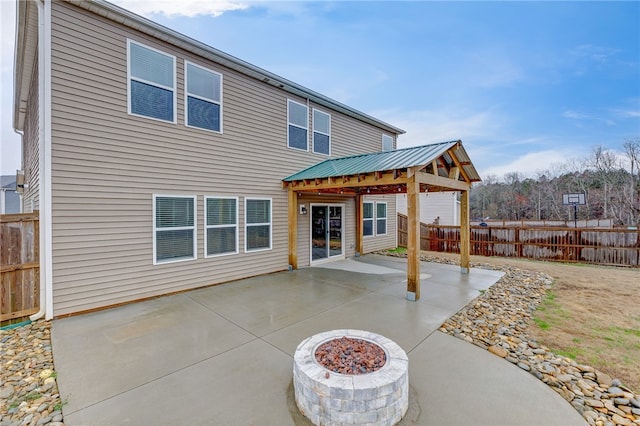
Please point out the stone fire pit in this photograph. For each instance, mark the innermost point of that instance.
(325, 397)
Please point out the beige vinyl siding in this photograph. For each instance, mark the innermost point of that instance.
(381, 242)
(31, 148)
(435, 204)
(107, 165)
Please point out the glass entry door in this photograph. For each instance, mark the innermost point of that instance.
(326, 231)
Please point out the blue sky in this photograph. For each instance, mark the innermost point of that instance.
(523, 84)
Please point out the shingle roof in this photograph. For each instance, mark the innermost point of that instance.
(383, 161)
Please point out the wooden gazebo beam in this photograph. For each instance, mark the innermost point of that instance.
(411, 181)
(413, 239)
(293, 228)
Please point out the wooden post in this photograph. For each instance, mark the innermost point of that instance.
(293, 229)
(413, 239)
(359, 225)
(465, 234)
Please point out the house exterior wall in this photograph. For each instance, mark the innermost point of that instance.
(444, 205)
(31, 148)
(304, 225)
(107, 165)
(371, 244)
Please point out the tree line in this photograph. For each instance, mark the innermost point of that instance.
(610, 181)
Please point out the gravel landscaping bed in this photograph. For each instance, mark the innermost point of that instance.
(28, 389)
(498, 319)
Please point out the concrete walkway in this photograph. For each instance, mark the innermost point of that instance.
(224, 354)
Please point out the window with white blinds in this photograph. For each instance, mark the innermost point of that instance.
(221, 226)
(257, 215)
(174, 230)
(203, 98)
(298, 119)
(151, 82)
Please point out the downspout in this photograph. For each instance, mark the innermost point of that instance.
(21, 133)
(44, 114)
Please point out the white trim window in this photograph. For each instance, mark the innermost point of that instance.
(221, 226)
(367, 219)
(257, 217)
(374, 218)
(381, 218)
(321, 132)
(298, 125)
(174, 228)
(151, 83)
(387, 143)
(203, 98)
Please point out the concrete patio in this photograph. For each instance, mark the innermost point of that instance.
(224, 354)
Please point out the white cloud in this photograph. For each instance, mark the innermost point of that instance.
(626, 113)
(528, 164)
(189, 8)
(491, 68)
(427, 126)
(598, 54)
(576, 115)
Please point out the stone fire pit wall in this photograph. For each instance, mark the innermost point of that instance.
(325, 397)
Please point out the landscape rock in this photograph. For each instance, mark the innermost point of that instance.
(603, 379)
(497, 350)
(27, 362)
(500, 317)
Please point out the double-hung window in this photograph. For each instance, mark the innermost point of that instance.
(203, 98)
(367, 219)
(298, 120)
(387, 143)
(374, 219)
(221, 225)
(257, 216)
(381, 218)
(151, 83)
(321, 132)
(174, 230)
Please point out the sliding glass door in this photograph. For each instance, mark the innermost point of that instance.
(326, 231)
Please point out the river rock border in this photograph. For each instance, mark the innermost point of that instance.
(324, 397)
(498, 319)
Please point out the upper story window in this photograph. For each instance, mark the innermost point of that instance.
(151, 82)
(387, 143)
(174, 228)
(203, 98)
(321, 132)
(221, 215)
(298, 119)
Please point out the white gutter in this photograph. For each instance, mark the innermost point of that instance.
(44, 114)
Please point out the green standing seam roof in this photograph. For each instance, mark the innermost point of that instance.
(378, 161)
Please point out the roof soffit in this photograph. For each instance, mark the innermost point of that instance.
(25, 58)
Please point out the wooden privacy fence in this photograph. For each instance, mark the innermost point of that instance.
(618, 247)
(19, 266)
